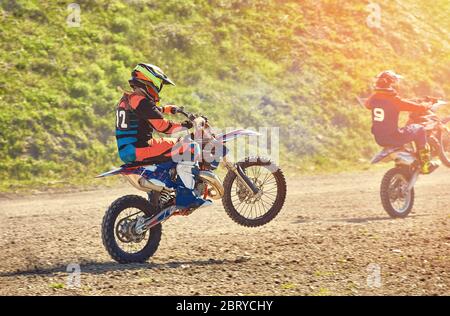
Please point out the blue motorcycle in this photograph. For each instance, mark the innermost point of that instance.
(253, 193)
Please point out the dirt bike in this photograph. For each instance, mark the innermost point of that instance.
(397, 187)
(253, 193)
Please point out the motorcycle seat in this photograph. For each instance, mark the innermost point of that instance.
(391, 149)
(137, 164)
(149, 162)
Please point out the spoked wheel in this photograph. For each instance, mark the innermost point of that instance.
(397, 200)
(245, 208)
(121, 239)
(444, 153)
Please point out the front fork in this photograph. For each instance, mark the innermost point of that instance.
(241, 176)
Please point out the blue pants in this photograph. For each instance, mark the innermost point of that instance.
(411, 133)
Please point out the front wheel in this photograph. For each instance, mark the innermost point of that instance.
(396, 199)
(119, 237)
(444, 152)
(246, 209)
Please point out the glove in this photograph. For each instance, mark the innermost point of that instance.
(187, 124)
(169, 108)
(429, 99)
(174, 109)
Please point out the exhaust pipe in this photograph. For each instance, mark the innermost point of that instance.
(145, 185)
(214, 182)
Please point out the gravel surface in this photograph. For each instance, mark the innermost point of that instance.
(331, 238)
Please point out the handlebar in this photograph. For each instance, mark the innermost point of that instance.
(199, 121)
(428, 115)
(188, 115)
(433, 107)
(438, 104)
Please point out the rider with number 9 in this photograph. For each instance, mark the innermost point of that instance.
(386, 106)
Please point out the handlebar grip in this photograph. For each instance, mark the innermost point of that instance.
(181, 111)
(188, 115)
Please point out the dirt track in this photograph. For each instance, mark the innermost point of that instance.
(331, 235)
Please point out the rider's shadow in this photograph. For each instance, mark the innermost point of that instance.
(92, 267)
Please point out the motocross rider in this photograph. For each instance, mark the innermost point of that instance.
(386, 105)
(138, 116)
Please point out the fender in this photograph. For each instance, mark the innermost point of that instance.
(398, 154)
(382, 155)
(260, 160)
(235, 134)
(403, 158)
(125, 169)
(113, 172)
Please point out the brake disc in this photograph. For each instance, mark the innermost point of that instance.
(245, 196)
(126, 231)
(242, 192)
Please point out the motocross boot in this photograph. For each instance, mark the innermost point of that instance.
(186, 197)
(427, 166)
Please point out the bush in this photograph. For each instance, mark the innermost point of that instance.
(291, 64)
(121, 25)
(79, 90)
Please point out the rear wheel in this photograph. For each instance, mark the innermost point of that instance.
(119, 237)
(252, 211)
(444, 152)
(396, 199)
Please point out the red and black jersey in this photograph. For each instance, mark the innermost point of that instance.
(386, 106)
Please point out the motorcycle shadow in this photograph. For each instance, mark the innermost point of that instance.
(93, 267)
(353, 220)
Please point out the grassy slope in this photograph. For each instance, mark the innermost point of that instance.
(293, 64)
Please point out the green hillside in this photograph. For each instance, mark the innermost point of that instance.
(294, 64)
